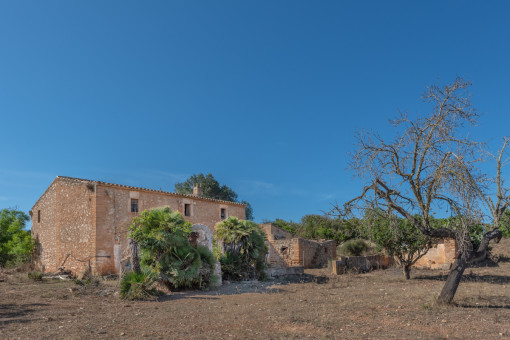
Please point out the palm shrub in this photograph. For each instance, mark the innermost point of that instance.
(244, 249)
(139, 285)
(163, 237)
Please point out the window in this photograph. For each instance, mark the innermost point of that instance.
(187, 210)
(134, 205)
(38, 216)
(223, 213)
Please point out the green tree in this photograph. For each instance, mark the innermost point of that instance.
(398, 237)
(16, 244)
(211, 188)
(244, 249)
(505, 224)
(163, 237)
(249, 210)
(315, 227)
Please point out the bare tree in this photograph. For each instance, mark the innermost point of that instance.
(430, 166)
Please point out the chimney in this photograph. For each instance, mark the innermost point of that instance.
(197, 190)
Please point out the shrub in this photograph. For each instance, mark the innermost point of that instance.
(36, 276)
(244, 249)
(354, 247)
(138, 286)
(163, 237)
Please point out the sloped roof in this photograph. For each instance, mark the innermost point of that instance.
(74, 179)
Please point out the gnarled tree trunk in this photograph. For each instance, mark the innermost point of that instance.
(407, 272)
(452, 282)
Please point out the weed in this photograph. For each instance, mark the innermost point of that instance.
(36, 276)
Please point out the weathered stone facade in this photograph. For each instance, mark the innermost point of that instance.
(439, 257)
(79, 220)
(287, 252)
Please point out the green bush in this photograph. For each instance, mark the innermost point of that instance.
(244, 249)
(163, 237)
(36, 276)
(138, 286)
(354, 247)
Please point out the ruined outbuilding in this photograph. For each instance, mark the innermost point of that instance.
(83, 224)
(440, 256)
(289, 254)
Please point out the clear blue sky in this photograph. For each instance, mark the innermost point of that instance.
(265, 95)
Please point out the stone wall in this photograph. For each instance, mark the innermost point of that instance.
(114, 217)
(315, 254)
(288, 251)
(44, 230)
(440, 257)
(66, 231)
(360, 263)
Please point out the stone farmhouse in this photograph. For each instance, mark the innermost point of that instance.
(83, 224)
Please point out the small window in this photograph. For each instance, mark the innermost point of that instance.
(134, 205)
(223, 213)
(38, 216)
(187, 210)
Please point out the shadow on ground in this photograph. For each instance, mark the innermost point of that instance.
(494, 279)
(11, 313)
(259, 287)
(483, 302)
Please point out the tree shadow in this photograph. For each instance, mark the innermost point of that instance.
(494, 279)
(503, 259)
(11, 313)
(483, 302)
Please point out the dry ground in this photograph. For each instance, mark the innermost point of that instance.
(317, 305)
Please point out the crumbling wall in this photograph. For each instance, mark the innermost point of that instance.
(439, 257)
(287, 251)
(316, 254)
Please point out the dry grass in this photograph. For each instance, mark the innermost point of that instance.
(379, 304)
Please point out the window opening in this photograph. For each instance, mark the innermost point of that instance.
(38, 216)
(134, 205)
(223, 213)
(187, 210)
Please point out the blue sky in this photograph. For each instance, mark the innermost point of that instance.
(265, 95)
